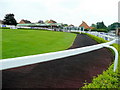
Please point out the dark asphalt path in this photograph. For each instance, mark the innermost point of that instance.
(70, 72)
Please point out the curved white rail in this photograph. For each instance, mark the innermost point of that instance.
(27, 60)
(116, 56)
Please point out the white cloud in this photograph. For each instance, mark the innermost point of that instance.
(66, 11)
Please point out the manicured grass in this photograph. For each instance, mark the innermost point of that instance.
(108, 79)
(17, 43)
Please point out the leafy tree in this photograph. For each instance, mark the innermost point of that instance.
(40, 21)
(65, 25)
(93, 25)
(114, 26)
(101, 25)
(9, 20)
(46, 21)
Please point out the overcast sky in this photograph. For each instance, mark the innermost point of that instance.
(62, 11)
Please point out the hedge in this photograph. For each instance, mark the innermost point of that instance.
(108, 79)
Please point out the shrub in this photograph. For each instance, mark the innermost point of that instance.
(102, 30)
(5, 28)
(108, 79)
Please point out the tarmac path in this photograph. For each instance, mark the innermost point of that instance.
(69, 72)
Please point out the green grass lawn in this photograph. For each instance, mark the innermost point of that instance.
(17, 43)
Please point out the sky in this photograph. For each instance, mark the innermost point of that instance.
(62, 11)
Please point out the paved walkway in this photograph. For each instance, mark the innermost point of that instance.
(70, 72)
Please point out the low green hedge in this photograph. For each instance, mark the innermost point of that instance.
(108, 79)
(100, 30)
(28, 29)
(5, 28)
(99, 40)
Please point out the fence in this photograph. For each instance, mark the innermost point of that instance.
(27, 60)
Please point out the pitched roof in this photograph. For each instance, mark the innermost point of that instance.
(84, 24)
(52, 21)
(71, 25)
(92, 27)
(24, 21)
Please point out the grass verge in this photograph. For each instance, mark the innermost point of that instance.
(17, 43)
(108, 79)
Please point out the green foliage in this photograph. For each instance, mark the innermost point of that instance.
(93, 25)
(75, 32)
(108, 79)
(17, 43)
(29, 29)
(5, 28)
(101, 25)
(114, 26)
(99, 40)
(46, 21)
(9, 20)
(41, 21)
(86, 29)
(100, 30)
(65, 25)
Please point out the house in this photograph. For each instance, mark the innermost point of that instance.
(24, 21)
(52, 21)
(92, 27)
(84, 24)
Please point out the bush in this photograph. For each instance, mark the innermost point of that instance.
(5, 28)
(86, 29)
(108, 79)
(99, 40)
(100, 30)
(32, 29)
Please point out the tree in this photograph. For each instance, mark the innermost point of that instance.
(9, 20)
(41, 22)
(65, 25)
(93, 25)
(46, 21)
(114, 26)
(101, 25)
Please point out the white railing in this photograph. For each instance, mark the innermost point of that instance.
(27, 60)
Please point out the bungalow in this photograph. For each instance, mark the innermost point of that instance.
(51, 21)
(84, 24)
(24, 21)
